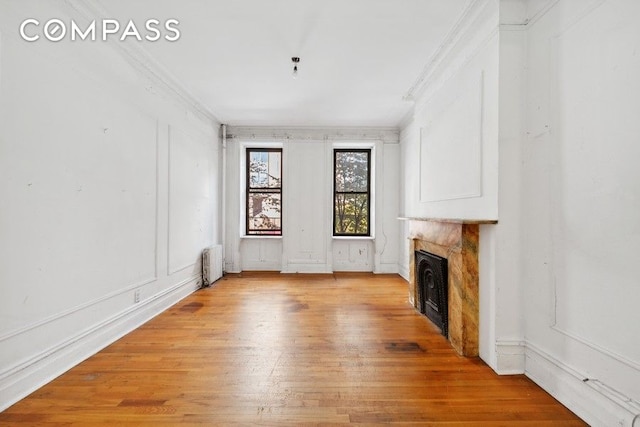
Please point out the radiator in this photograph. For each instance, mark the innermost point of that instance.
(211, 265)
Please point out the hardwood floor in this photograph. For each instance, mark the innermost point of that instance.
(272, 349)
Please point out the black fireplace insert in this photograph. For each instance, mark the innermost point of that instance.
(432, 284)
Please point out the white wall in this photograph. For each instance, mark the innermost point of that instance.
(306, 219)
(580, 231)
(501, 296)
(307, 245)
(109, 189)
(558, 281)
(450, 143)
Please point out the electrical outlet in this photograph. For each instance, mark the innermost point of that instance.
(136, 296)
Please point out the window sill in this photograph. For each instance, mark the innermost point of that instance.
(353, 237)
(333, 237)
(260, 237)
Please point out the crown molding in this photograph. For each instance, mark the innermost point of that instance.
(270, 133)
(550, 4)
(511, 24)
(144, 63)
(463, 26)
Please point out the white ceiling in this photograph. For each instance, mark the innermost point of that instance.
(358, 58)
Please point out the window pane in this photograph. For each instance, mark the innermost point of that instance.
(351, 214)
(263, 212)
(257, 169)
(264, 196)
(264, 169)
(352, 171)
(274, 169)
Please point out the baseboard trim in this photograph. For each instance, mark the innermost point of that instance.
(510, 357)
(403, 270)
(292, 268)
(262, 267)
(22, 380)
(591, 400)
(386, 268)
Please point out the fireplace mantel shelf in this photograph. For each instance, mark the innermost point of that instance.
(451, 220)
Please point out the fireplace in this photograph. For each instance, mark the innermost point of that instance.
(456, 242)
(432, 288)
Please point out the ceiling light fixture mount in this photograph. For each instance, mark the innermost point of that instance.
(296, 61)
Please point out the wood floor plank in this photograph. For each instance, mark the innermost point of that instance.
(273, 349)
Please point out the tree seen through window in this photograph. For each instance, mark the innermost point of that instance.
(351, 204)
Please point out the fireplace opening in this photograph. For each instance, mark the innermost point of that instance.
(433, 290)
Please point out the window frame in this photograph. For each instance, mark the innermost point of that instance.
(249, 190)
(369, 152)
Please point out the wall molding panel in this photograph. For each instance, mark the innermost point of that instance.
(87, 232)
(608, 353)
(261, 254)
(20, 380)
(185, 144)
(593, 401)
(74, 310)
(461, 176)
(572, 127)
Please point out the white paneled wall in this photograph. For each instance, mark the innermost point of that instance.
(581, 234)
(261, 254)
(558, 154)
(307, 244)
(387, 199)
(109, 192)
(352, 255)
(452, 143)
(306, 207)
(190, 184)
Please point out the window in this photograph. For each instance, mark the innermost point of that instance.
(351, 192)
(264, 191)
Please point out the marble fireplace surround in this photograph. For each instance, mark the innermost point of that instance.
(458, 242)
